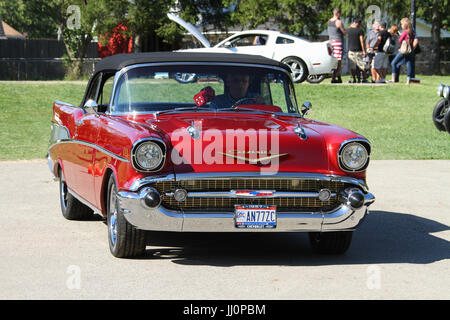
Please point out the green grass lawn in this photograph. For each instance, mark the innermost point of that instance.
(396, 118)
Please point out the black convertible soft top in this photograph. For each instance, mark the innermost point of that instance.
(119, 61)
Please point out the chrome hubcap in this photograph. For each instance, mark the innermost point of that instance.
(113, 219)
(63, 190)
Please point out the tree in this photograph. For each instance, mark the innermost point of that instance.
(155, 32)
(29, 17)
(304, 18)
(78, 20)
(393, 10)
(436, 13)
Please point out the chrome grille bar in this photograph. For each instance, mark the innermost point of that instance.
(234, 194)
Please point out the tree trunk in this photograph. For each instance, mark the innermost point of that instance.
(435, 65)
(137, 43)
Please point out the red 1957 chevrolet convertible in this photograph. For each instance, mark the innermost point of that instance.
(227, 151)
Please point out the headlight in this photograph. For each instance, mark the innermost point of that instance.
(446, 92)
(354, 156)
(440, 90)
(148, 155)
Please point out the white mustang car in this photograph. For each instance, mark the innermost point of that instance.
(312, 61)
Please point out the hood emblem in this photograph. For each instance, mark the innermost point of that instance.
(241, 155)
(252, 193)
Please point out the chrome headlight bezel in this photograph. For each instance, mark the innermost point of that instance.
(344, 163)
(159, 146)
(440, 91)
(446, 92)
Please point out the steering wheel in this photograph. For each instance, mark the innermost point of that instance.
(240, 101)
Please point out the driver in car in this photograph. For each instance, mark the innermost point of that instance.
(237, 92)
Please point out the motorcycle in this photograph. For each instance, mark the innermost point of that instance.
(441, 111)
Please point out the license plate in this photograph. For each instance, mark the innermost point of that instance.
(255, 216)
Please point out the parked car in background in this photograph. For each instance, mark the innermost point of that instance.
(441, 111)
(312, 61)
(230, 154)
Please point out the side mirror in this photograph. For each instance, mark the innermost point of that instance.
(227, 44)
(91, 106)
(306, 106)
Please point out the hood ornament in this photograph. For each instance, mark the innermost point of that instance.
(300, 131)
(193, 131)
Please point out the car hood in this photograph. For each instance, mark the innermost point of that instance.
(221, 142)
(191, 29)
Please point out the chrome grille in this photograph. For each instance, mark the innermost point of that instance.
(288, 204)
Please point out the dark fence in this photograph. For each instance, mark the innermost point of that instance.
(28, 59)
(39, 48)
(40, 69)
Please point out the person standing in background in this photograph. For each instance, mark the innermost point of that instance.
(356, 51)
(371, 40)
(393, 30)
(381, 59)
(408, 35)
(336, 32)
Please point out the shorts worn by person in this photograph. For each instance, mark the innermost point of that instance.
(356, 59)
(380, 61)
(356, 53)
(336, 32)
(372, 38)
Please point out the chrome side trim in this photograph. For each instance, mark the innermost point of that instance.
(245, 175)
(63, 103)
(89, 144)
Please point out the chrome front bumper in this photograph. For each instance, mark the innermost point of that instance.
(160, 219)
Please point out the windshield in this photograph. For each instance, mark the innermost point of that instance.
(150, 89)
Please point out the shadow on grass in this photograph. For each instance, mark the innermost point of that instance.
(384, 237)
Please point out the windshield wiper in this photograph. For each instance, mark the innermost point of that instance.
(246, 109)
(183, 109)
(295, 115)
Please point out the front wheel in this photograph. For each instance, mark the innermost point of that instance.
(330, 242)
(125, 241)
(299, 71)
(447, 120)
